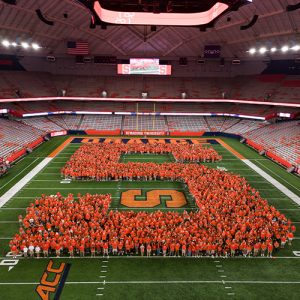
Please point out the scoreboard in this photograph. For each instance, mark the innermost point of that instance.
(144, 66)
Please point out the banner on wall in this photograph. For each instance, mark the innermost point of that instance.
(58, 133)
(136, 132)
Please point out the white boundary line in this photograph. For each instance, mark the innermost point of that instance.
(298, 189)
(273, 181)
(2, 187)
(25, 180)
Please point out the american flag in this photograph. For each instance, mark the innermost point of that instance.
(77, 48)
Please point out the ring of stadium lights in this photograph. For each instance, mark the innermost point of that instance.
(25, 45)
(283, 49)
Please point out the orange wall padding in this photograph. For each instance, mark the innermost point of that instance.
(271, 77)
(35, 143)
(103, 132)
(16, 155)
(278, 159)
(254, 145)
(186, 133)
(291, 83)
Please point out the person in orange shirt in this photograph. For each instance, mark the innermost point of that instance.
(14, 251)
(142, 249)
(149, 250)
(172, 249)
(256, 249)
(263, 249)
(282, 242)
(164, 248)
(177, 248)
(20, 220)
(276, 245)
(93, 249)
(57, 249)
(290, 238)
(81, 250)
(120, 248)
(105, 249)
(115, 247)
(270, 249)
(71, 251)
(183, 250)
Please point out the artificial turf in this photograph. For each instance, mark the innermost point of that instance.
(154, 278)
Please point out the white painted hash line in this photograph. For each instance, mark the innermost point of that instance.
(164, 282)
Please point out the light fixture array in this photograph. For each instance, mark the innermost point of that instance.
(25, 45)
(283, 49)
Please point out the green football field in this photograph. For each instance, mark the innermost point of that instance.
(155, 277)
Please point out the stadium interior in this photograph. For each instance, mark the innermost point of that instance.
(91, 91)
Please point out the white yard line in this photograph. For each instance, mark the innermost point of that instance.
(8, 222)
(273, 181)
(2, 187)
(164, 282)
(25, 180)
(12, 208)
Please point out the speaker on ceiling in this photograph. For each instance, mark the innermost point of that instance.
(293, 7)
(250, 24)
(51, 58)
(43, 19)
(11, 2)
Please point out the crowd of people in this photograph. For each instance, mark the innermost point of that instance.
(57, 225)
(101, 161)
(231, 219)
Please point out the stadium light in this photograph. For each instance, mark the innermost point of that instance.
(35, 46)
(284, 48)
(252, 51)
(273, 49)
(25, 45)
(5, 43)
(262, 50)
(296, 48)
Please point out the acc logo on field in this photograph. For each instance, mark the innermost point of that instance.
(153, 198)
(56, 285)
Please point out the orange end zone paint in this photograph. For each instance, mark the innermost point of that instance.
(230, 149)
(61, 147)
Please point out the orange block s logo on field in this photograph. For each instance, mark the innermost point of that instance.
(153, 198)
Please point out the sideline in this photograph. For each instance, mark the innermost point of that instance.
(262, 173)
(273, 181)
(3, 186)
(19, 185)
(27, 178)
